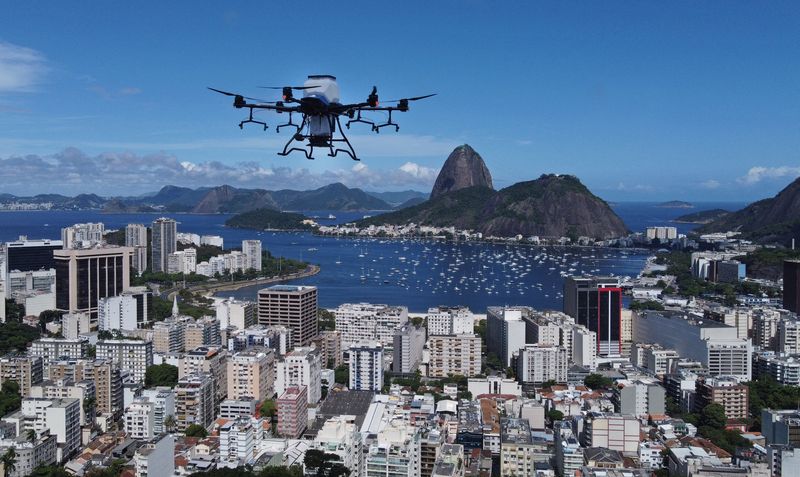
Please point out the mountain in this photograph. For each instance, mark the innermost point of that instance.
(675, 204)
(263, 219)
(410, 203)
(335, 196)
(550, 206)
(399, 197)
(774, 220)
(232, 200)
(463, 168)
(702, 217)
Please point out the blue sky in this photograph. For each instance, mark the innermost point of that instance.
(641, 100)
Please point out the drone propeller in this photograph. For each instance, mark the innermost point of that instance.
(226, 93)
(416, 98)
(290, 87)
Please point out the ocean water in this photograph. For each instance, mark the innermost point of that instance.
(415, 273)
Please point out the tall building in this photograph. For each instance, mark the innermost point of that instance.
(133, 356)
(301, 367)
(505, 332)
(455, 354)
(639, 397)
(236, 314)
(85, 276)
(130, 310)
(409, 342)
(251, 374)
(359, 322)
(58, 348)
(60, 417)
(366, 367)
(237, 442)
(169, 336)
(339, 435)
(292, 411)
(139, 419)
(252, 250)
(329, 344)
(25, 255)
(26, 371)
(82, 235)
(714, 345)
(791, 285)
(538, 364)
(84, 391)
(446, 320)
(163, 400)
(202, 332)
(727, 392)
(394, 452)
(164, 242)
(596, 303)
(194, 401)
(612, 431)
(136, 238)
(156, 458)
(210, 360)
(294, 307)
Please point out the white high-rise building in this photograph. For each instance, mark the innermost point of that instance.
(584, 347)
(163, 400)
(445, 320)
(339, 435)
(235, 313)
(60, 417)
(409, 342)
(182, 261)
(505, 332)
(157, 458)
(163, 242)
(539, 364)
(300, 367)
(130, 310)
(73, 325)
(454, 354)
(359, 322)
(252, 250)
(237, 442)
(395, 452)
(136, 237)
(139, 419)
(134, 356)
(366, 367)
(82, 235)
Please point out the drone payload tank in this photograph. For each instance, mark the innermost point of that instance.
(325, 88)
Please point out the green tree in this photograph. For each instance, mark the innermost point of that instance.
(196, 430)
(597, 381)
(9, 460)
(713, 415)
(342, 374)
(327, 320)
(268, 408)
(555, 415)
(169, 423)
(161, 375)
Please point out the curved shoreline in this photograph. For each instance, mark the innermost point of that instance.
(210, 289)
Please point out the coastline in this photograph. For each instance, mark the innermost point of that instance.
(209, 289)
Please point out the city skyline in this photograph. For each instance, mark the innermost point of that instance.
(695, 102)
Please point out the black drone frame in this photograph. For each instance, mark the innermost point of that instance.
(333, 114)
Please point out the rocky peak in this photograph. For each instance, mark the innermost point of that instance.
(463, 168)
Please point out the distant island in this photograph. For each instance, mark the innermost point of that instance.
(268, 219)
(675, 204)
(702, 217)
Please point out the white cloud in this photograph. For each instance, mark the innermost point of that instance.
(710, 184)
(21, 68)
(110, 174)
(419, 172)
(759, 173)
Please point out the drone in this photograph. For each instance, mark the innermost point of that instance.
(320, 127)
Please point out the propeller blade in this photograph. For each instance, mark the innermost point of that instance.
(293, 87)
(222, 92)
(415, 98)
(262, 101)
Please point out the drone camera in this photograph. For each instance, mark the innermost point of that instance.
(287, 93)
(238, 101)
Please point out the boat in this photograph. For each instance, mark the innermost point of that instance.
(331, 217)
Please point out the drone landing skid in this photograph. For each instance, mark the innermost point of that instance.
(251, 120)
(316, 141)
